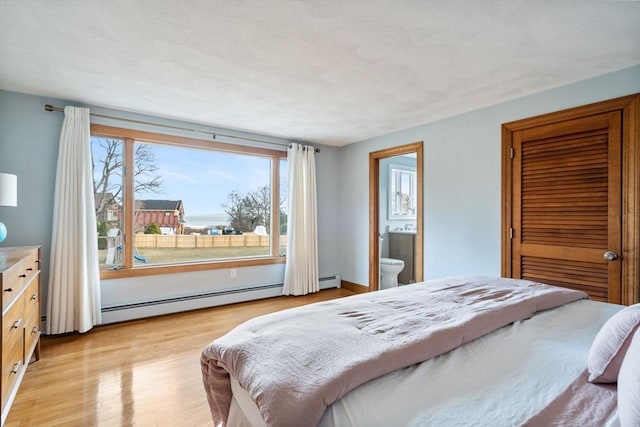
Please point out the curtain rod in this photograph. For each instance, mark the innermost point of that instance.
(49, 107)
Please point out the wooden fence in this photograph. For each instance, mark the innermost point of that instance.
(203, 241)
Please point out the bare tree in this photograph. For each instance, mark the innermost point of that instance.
(253, 209)
(108, 163)
(259, 207)
(144, 170)
(238, 211)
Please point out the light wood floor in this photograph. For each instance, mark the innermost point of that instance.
(139, 373)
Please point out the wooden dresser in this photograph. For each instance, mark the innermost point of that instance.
(20, 280)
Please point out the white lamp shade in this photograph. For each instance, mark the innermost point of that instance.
(8, 190)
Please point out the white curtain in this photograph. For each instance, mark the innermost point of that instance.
(301, 269)
(74, 276)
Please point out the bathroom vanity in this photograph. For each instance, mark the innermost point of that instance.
(402, 246)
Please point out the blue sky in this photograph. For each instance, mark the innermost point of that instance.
(203, 190)
(203, 179)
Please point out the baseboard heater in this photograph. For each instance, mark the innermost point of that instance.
(188, 297)
(130, 311)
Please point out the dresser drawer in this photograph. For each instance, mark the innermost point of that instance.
(31, 264)
(12, 364)
(31, 334)
(13, 280)
(13, 324)
(31, 296)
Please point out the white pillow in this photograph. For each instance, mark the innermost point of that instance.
(629, 385)
(611, 343)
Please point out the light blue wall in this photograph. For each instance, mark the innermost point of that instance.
(462, 189)
(29, 138)
(29, 149)
(461, 179)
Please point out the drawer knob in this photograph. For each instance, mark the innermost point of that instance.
(16, 367)
(34, 297)
(8, 289)
(29, 269)
(22, 276)
(16, 324)
(34, 330)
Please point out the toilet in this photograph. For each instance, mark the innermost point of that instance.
(389, 270)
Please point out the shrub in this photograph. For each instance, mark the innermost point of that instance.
(152, 228)
(103, 227)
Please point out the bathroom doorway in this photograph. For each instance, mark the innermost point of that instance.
(396, 210)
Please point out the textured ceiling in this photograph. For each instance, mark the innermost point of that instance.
(326, 71)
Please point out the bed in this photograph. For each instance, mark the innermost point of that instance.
(457, 352)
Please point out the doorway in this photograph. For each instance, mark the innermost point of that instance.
(570, 199)
(406, 212)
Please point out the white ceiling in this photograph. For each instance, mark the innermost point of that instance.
(325, 71)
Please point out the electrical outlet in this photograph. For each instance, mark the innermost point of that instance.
(234, 273)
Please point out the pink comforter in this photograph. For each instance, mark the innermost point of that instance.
(296, 362)
(581, 404)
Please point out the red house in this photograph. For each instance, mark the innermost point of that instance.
(168, 214)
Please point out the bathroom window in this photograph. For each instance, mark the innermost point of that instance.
(402, 192)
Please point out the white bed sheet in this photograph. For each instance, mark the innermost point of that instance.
(501, 379)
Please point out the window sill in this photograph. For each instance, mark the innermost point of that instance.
(155, 270)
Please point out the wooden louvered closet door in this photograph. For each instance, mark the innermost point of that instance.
(566, 211)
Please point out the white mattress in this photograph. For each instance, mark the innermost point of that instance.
(501, 379)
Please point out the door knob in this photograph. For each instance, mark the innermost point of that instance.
(610, 256)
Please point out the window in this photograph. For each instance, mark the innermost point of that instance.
(108, 189)
(186, 201)
(402, 192)
(112, 215)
